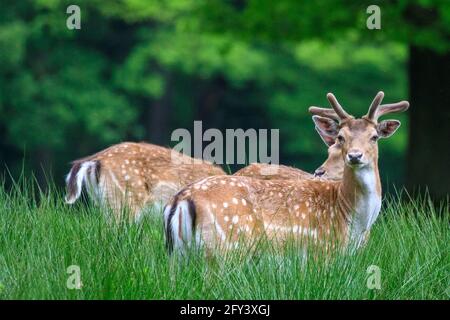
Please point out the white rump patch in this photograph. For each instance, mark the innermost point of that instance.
(82, 177)
(181, 225)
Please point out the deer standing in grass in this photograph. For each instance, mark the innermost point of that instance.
(332, 168)
(221, 210)
(135, 175)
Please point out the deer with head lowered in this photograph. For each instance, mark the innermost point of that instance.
(332, 168)
(221, 210)
(135, 175)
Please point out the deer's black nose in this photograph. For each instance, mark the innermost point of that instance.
(319, 172)
(354, 157)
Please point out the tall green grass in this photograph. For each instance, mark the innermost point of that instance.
(40, 237)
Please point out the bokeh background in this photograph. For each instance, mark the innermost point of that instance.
(139, 69)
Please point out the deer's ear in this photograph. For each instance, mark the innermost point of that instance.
(329, 141)
(386, 128)
(326, 126)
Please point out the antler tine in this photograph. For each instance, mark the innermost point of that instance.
(337, 107)
(391, 108)
(324, 112)
(371, 114)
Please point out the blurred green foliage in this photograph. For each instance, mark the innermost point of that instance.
(67, 93)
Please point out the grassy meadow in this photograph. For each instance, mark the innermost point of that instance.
(41, 237)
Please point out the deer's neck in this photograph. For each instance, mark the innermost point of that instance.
(360, 200)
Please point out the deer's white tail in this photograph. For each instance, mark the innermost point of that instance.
(179, 224)
(83, 173)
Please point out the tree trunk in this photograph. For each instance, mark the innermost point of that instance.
(428, 153)
(208, 103)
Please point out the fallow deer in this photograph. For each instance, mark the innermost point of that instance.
(332, 168)
(134, 175)
(265, 171)
(220, 210)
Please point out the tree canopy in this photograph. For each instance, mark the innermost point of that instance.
(138, 69)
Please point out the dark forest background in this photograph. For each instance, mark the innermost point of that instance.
(137, 70)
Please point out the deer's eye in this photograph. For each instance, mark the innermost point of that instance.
(374, 138)
(340, 139)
